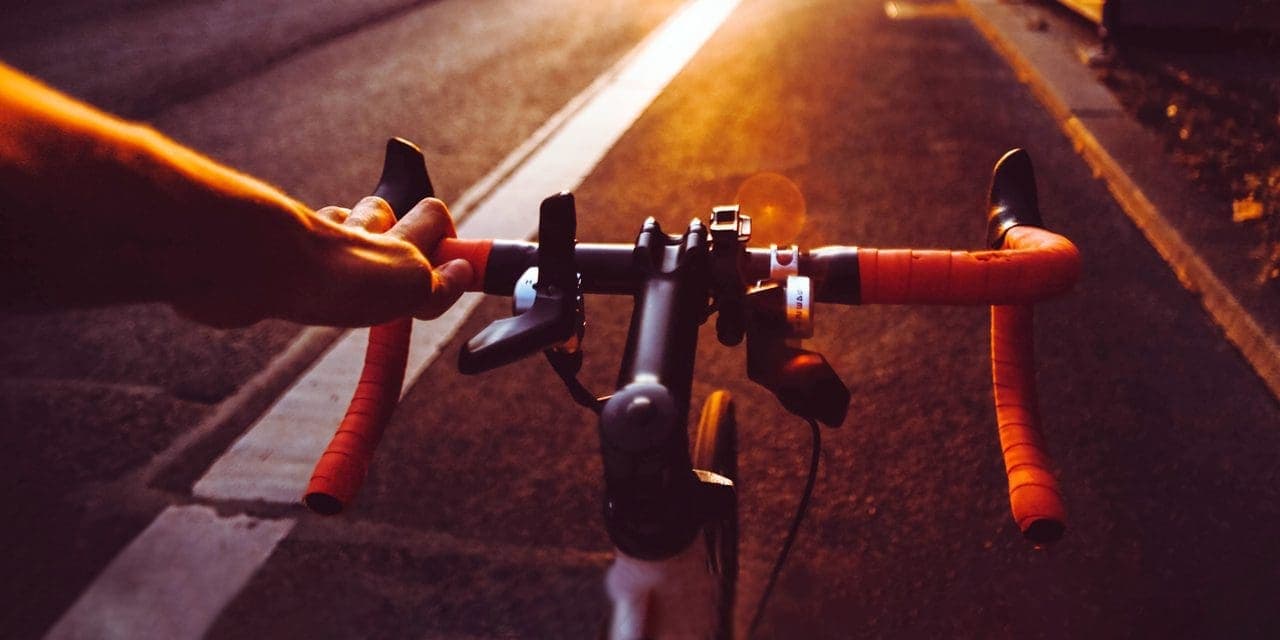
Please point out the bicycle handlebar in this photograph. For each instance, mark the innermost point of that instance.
(1036, 264)
(1029, 264)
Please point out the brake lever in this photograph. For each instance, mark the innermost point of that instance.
(554, 316)
(803, 381)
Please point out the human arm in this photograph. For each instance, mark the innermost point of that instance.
(96, 210)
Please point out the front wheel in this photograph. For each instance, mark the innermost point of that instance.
(715, 446)
(715, 449)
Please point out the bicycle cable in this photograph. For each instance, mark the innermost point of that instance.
(801, 509)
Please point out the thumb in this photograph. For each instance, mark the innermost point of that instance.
(448, 282)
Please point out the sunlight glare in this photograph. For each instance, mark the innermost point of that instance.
(776, 207)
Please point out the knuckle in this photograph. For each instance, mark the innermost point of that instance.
(374, 203)
(435, 206)
(372, 213)
(333, 213)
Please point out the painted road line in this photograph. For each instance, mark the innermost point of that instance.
(273, 460)
(601, 114)
(173, 580)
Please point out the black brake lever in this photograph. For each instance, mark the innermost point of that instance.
(1013, 199)
(553, 318)
(404, 178)
(803, 380)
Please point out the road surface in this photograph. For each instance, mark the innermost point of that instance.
(480, 516)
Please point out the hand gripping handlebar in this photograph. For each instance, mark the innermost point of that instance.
(342, 467)
(1026, 264)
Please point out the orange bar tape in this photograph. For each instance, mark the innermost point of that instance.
(474, 251)
(342, 467)
(1038, 264)
(1033, 490)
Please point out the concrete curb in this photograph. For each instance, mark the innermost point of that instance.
(1071, 94)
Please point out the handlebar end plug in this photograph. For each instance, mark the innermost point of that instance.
(1044, 531)
(323, 503)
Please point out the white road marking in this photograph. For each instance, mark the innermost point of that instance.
(175, 578)
(273, 460)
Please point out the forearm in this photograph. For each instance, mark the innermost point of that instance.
(99, 210)
(95, 210)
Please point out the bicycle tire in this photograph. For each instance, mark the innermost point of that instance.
(715, 444)
(715, 449)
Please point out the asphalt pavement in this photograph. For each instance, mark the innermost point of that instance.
(480, 517)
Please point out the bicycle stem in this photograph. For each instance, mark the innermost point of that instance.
(652, 507)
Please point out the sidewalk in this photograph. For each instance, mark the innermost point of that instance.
(1208, 253)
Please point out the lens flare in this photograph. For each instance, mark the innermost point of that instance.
(776, 207)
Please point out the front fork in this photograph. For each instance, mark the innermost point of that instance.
(688, 595)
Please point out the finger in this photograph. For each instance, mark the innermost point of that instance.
(371, 214)
(448, 282)
(338, 215)
(424, 226)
